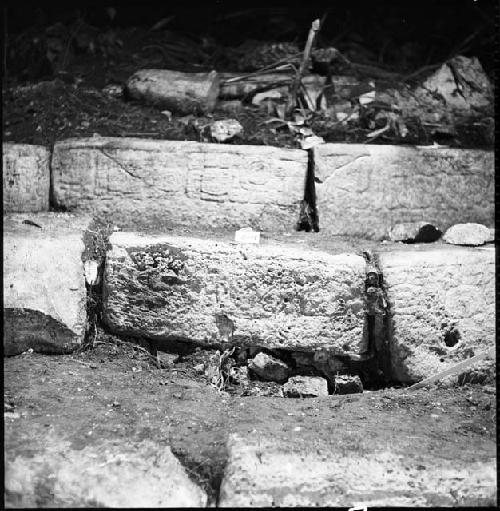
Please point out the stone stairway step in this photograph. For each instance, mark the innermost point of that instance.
(442, 307)
(140, 183)
(364, 190)
(212, 292)
(44, 291)
(266, 470)
(26, 177)
(117, 473)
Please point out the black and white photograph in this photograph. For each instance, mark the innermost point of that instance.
(249, 254)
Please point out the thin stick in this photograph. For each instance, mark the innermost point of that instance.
(298, 77)
(454, 369)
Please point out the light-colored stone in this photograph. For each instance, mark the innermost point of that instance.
(26, 177)
(44, 295)
(347, 384)
(442, 307)
(111, 474)
(183, 93)
(225, 129)
(269, 368)
(150, 183)
(209, 291)
(366, 189)
(266, 472)
(467, 234)
(414, 231)
(305, 386)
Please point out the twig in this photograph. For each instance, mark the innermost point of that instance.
(292, 99)
(263, 70)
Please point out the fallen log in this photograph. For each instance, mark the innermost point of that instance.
(182, 93)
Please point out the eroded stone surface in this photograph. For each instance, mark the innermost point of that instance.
(111, 474)
(44, 291)
(161, 184)
(26, 177)
(364, 190)
(441, 306)
(265, 472)
(468, 234)
(274, 296)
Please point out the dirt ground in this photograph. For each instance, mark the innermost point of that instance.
(116, 391)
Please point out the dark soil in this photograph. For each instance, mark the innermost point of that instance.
(116, 390)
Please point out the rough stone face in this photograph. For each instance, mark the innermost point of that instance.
(44, 291)
(467, 234)
(267, 472)
(305, 386)
(346, 384)
(209, 291)
(441, 306)
(364, 190)
(418, 232)
(269, 368)
(164, 184)
(144, 475)
(26, 177)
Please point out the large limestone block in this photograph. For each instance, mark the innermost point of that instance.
(44, 295)
(365, 190)
(161, 184)
(26, 177)
(109, 474)
(208, 291)
(442, 307)
(263, 471)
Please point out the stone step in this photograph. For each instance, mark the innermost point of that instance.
(116, 473)
(139, 183)
(266, 470)
(365, 190)
(213, 291)
(44, 295)
(361, 190)
(441, 307)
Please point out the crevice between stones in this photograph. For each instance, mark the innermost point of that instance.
(308, 216)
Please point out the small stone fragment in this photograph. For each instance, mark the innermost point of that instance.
(305, 386)
(269, 368)
(416, 232)
(347, 384)
(467, 234)
(225, 129)
(239, 375)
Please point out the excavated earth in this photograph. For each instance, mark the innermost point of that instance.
(115, 393)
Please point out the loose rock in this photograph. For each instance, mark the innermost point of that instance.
(416, 232)
(225, 129)
(467, 234)
(269, 368)
(346, 384)
(305, 386)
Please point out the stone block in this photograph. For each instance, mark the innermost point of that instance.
(162, 184)
(44, 291)
(211, 292)
(347, 384)
(365, 190)
(26, 177)
(268, 471)
(441, 306)
(110, 474)
(305, 386)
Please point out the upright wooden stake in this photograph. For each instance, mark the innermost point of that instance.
(292, 99)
